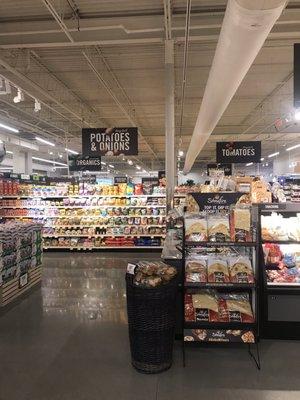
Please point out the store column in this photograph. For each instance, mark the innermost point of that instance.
(22, 162)
(170, 121)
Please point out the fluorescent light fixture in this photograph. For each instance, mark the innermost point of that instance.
(60, 156)
(9, 152)
(103, 163)
(180, 153)
(297, 115)
(138, 167)
(71, 151)
(4, 168)
(250, 163)
(293, 147)
(144, 171)
(51, 153)
(49, 161)
(111, 166)
(273, 154)
(130, 162)
(44, 141)
(262, 159)
(61, 167)
(9, 128)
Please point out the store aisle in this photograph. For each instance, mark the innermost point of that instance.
(69, 341)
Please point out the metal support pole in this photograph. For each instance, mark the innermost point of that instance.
(170, 121)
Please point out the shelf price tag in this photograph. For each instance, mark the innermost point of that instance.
(131, 268)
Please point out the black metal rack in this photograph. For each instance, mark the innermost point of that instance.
(252, 289)
(280, 316)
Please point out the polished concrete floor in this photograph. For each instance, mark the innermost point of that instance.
(68, 341)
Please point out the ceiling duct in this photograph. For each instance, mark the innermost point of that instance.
(246, 25)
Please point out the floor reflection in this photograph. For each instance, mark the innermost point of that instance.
(87, 286)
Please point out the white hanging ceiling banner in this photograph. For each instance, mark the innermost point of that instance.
(246, 25)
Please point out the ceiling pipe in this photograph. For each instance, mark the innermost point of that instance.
(246, 25)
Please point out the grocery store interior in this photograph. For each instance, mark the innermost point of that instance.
(149, 199)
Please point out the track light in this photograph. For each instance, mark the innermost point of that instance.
(103, 163)
(44, 141)
(71, 151)
(19, 97)
(37, 105)
(130, 162)
(262, 159)
(180, 153)
(138, 167)
(9, 128)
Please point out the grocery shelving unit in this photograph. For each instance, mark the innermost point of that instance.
(280, 316)
(217, 329)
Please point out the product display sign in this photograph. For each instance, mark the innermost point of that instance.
(109, 142)
(216, 201)
(238, 152)
(217, 169)
(80, 163)
(215, 335)
(120, 179)
(23, 280)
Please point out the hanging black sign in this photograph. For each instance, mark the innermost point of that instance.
(80, 163)
(109, 142)
(238, 152)
(212, 169)
(120, 179)
(216, 201)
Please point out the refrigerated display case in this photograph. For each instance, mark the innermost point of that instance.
(280, 270)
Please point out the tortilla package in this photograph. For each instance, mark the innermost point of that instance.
(241, 225)
(235, 307)
(218, 228)
(240, 270)
(217, 270)
(196, 270)
(196, 229)
(189, 312)
(206, 306)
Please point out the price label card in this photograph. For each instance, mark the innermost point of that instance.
(131, 268)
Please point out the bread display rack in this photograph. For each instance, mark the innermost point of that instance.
(220, 306)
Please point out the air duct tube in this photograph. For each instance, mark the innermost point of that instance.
(246, 26)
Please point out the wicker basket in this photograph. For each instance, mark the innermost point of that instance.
(151, 320)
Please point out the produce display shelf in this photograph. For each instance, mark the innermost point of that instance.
(101, 247)
(218, 325)
(107, 235)
(10, 290)
(31, 196)
(225, 286)
(72, 216)
(100, 226)
(220, 244)
(83, 207)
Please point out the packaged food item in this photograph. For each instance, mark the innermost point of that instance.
(196, 229)
(196, 269)
(241, 224)
(240, 270)
(189, 311)
(205, 304)
(217, 270)
(152, 274)
(235, 307)
(259, 192)
(218, 228)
